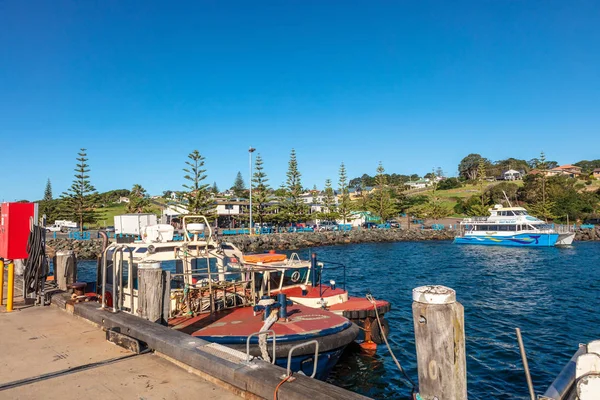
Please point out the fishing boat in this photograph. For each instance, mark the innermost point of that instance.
(302, 282)
(511, 226)
(208, 298)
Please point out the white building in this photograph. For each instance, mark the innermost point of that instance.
(512, 175)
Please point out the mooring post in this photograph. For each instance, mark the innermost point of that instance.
(440, 341)
(150, 291)
(65, 268)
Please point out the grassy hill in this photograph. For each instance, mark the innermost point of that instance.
(450, 197)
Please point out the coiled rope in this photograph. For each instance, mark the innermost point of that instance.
(36, 266)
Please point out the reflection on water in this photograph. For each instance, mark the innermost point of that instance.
(552, 294)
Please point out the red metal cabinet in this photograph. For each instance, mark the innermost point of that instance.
(14, 229)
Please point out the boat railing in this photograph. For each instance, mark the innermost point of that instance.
(118, 291)
(267, 332)
(474, 219)
(316, 358)
(208, 295)
(331, 265)
(294, 258)
(186, 235)
(564, 228)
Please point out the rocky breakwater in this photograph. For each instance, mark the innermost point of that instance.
(84, 249)
(585, 235)
(293, 241)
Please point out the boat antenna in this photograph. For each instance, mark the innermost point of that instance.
(506, 197)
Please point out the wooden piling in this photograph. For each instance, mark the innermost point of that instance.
(150, 291)
(440, 341)
(65, 268)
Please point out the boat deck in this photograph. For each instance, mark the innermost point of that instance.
(234, 325)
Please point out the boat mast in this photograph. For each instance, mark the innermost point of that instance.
(506, 197)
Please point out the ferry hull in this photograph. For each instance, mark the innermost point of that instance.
(565, 239)
(521, 240)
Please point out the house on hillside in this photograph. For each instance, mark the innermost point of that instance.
(596, 173)
(572, 171)
(512, 175)
(355, 193)
(123, 199)
(420, 184)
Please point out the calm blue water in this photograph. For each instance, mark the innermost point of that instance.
(552, 294)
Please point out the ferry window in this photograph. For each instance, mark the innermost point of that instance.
(511, 213)
(503, 227)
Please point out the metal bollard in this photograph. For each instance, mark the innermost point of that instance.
(10, 293)
(65, 268)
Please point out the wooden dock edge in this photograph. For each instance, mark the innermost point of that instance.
(254, 380)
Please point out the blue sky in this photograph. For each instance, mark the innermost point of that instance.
(415, 85)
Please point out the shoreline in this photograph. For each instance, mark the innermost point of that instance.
(89, 249)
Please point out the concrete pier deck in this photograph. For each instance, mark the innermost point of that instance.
(60, 352)
(46, 353)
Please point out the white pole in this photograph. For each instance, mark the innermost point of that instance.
(250, 151)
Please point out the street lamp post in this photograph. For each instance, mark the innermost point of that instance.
(250, 151)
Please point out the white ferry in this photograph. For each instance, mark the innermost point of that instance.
(511, 226)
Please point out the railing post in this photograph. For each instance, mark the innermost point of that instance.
(440, 342)
(313, 269)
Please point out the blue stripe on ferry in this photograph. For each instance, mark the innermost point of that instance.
(516, 240)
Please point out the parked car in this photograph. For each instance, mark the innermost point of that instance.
(393, 223)
(327, 226)
(369, 225)
(53, 228)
